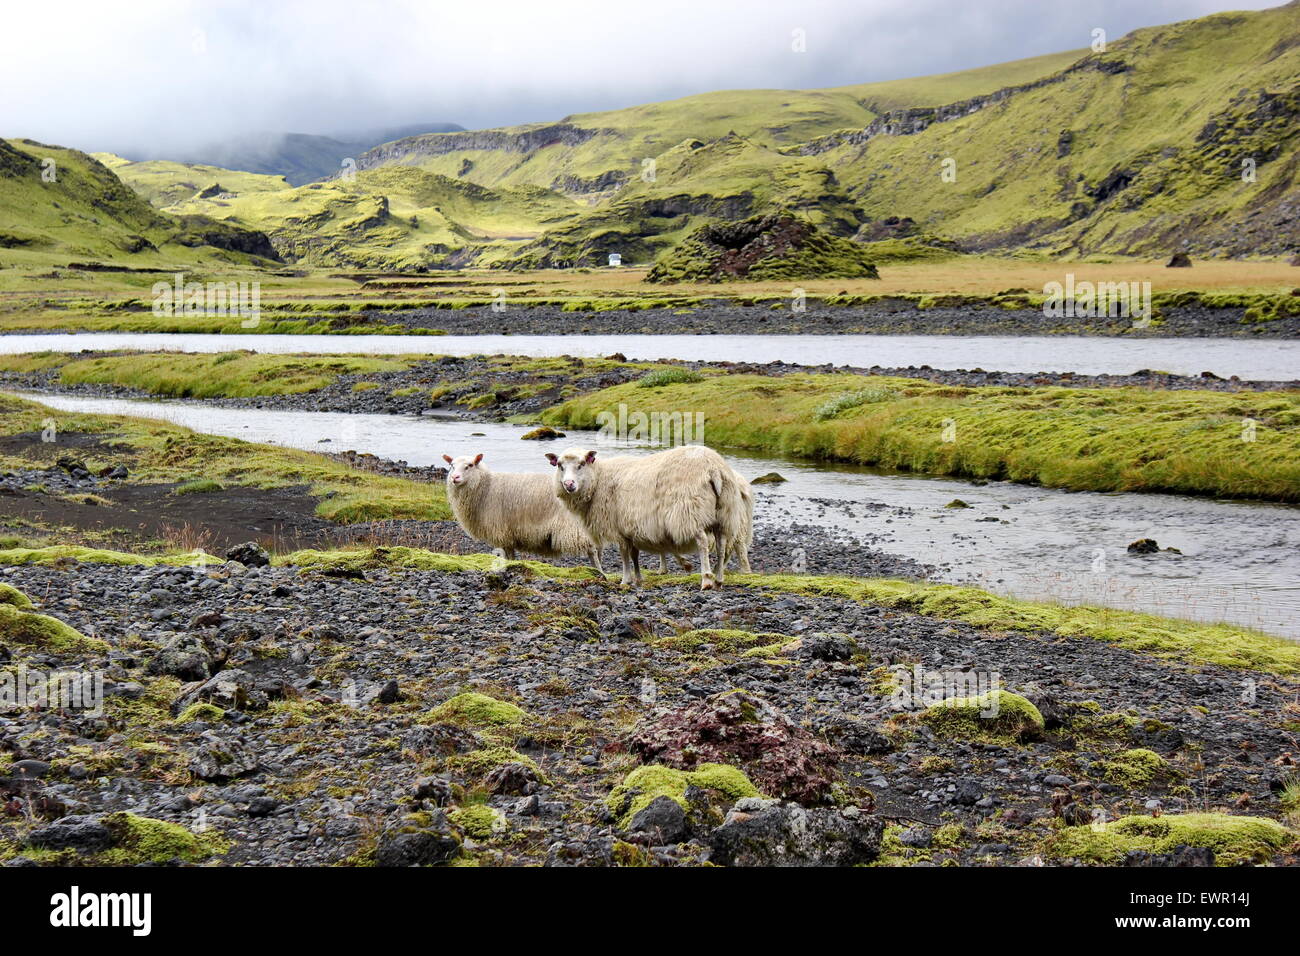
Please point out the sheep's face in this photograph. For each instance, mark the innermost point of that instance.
(573, 472)
(463, 469)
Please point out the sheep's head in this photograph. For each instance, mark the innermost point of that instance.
(463, 469)
(573, 473)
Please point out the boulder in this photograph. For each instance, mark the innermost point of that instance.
(250, 554)
(760, 832)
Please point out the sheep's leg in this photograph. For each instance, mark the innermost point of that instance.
(722, 556)
(593, 555)
(683, 563)
(625, 553)
(636, 564)
(510, 553)
(706, 572)
(663, 562)
(742, 554)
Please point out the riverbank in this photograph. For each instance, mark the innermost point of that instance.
(266, 708)
(1200, 443)
(920, 315)
(487, 388)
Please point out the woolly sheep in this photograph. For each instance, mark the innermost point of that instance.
(666, 503)
(514, 512)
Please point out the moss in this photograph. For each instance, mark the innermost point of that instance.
(669, 375)
(479, 763)
(724, 640)
(476, 710)
(199, 486)
(360, 559)
(145, 840)
(478, 820)
(1223, 645)
(44, 633)
(14, 598)
(644, 784)
(949, 836)
(54, 554)
(1133, 769)
(1234, 840)
(209, 713)
(1010, 717)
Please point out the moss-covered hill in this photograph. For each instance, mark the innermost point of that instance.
(763, 247)
(1175, 137)
(58, 203)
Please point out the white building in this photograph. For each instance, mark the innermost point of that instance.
(615, 259)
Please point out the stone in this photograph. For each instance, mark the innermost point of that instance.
(785, 834)
(250, 554)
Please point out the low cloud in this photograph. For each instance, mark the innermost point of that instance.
(159, 75)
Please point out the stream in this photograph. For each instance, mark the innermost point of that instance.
(1240, 561)
(1265, 360)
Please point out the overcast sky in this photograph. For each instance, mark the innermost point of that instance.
(152, 74)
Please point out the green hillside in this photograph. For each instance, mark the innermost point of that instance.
(1136, 150)
(59, 205)
(165, 183)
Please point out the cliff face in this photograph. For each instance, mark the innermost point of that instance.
(525, 140)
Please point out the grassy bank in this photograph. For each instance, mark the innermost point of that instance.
(160, 452)
(224, 375)
(1122, 439)
(43, 293)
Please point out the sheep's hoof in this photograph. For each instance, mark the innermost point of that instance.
(707, 584)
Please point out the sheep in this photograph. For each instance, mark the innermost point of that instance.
(662, 503)
(514, 512)
(743, 537)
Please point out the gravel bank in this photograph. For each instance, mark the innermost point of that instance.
(326, 749)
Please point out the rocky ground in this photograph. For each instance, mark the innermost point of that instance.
(290, 716)
(888, 317)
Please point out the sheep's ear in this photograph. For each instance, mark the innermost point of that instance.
(478, 458)
(591, 456)
(447, 459)
(555, 462)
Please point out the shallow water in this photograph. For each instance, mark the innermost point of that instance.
(1272, 360)
(1240, 560)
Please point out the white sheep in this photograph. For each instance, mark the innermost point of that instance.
(514, 512)
(665, 503)
(743, 538)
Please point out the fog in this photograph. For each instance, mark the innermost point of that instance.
(154, 76)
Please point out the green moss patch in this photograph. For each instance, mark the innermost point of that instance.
(640, 787)
(479, 763)
(478, 820)
(476, 710)
(44, 633)
(145, 840)
(1133, 769)
(724, 640)
(418, 559)
(53, 554)
(14, 598)
(996, 714)
(1234, 840)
